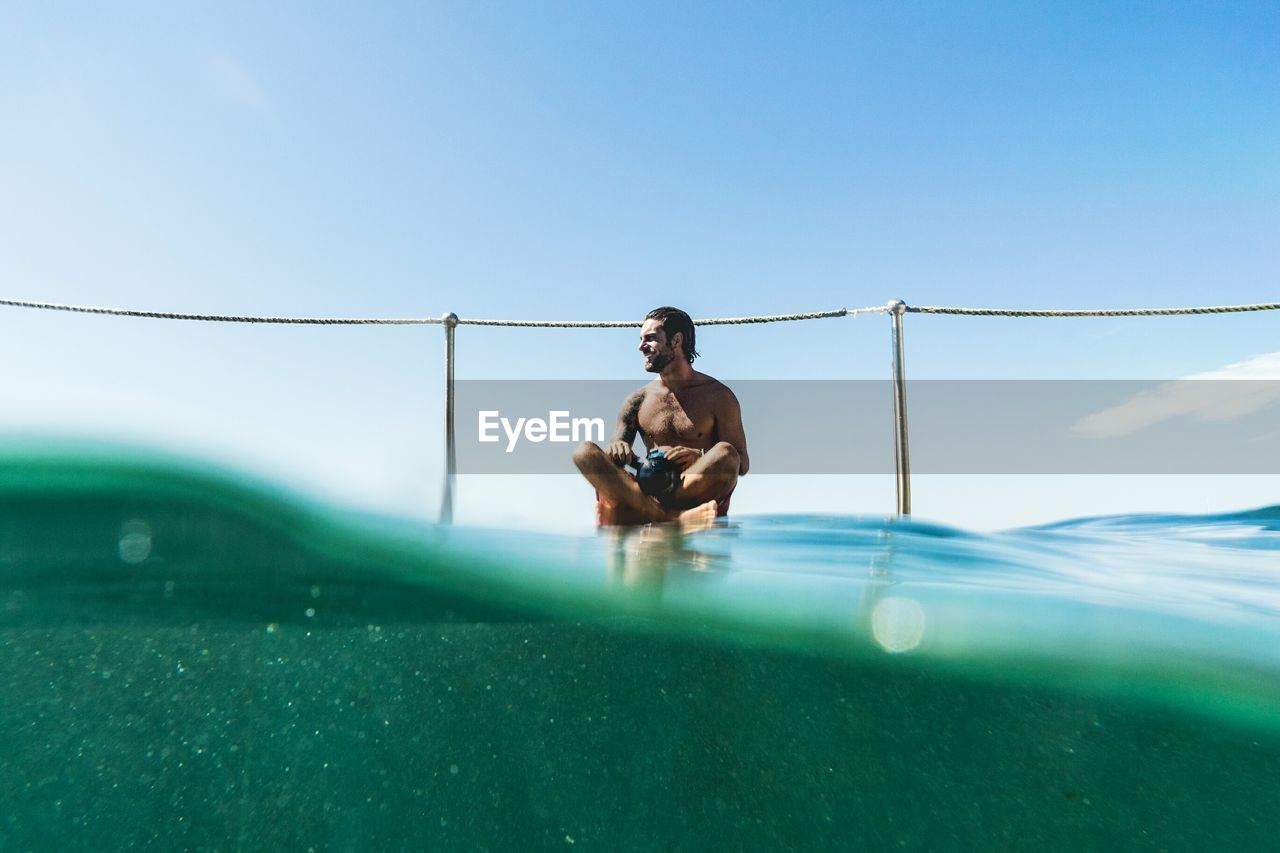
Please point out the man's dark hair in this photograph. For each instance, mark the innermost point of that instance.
(674, 320)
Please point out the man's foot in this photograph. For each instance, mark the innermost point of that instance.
(697, 518)
(609, 514)
(605, 514)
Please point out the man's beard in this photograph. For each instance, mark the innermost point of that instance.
(660, 361)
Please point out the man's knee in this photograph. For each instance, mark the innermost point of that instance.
(587, 455)
(727, 455)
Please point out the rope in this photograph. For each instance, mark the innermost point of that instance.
(1093, 312)
(423, 321)
(632, 324)
(224, 318)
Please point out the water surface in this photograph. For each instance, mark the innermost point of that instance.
(193, 660)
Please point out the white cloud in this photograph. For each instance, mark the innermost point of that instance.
(1192, 396)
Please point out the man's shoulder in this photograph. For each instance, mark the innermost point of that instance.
(714, 386)
(638, 395)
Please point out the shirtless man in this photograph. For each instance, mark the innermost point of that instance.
(692, 418)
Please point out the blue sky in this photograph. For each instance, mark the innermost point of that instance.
(590, 161)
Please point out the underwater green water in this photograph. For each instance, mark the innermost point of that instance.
(191, 661)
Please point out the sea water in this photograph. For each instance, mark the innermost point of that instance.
(192, 661)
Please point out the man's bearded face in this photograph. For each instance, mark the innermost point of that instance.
(655, 347)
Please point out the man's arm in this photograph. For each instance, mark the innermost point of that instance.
(624, 434)
(729, 427)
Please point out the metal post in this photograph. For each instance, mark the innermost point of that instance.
(450, 322)
(902, 455)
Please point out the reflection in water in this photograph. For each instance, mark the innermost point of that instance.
(658, 564)
(134, 545)
(641, 557)
(897, 623)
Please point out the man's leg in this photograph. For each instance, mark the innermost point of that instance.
(711, 477)
(623, 500)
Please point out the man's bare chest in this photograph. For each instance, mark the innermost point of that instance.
(665, 418)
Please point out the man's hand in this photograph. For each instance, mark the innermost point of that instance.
(620, 453)
(682, 456)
